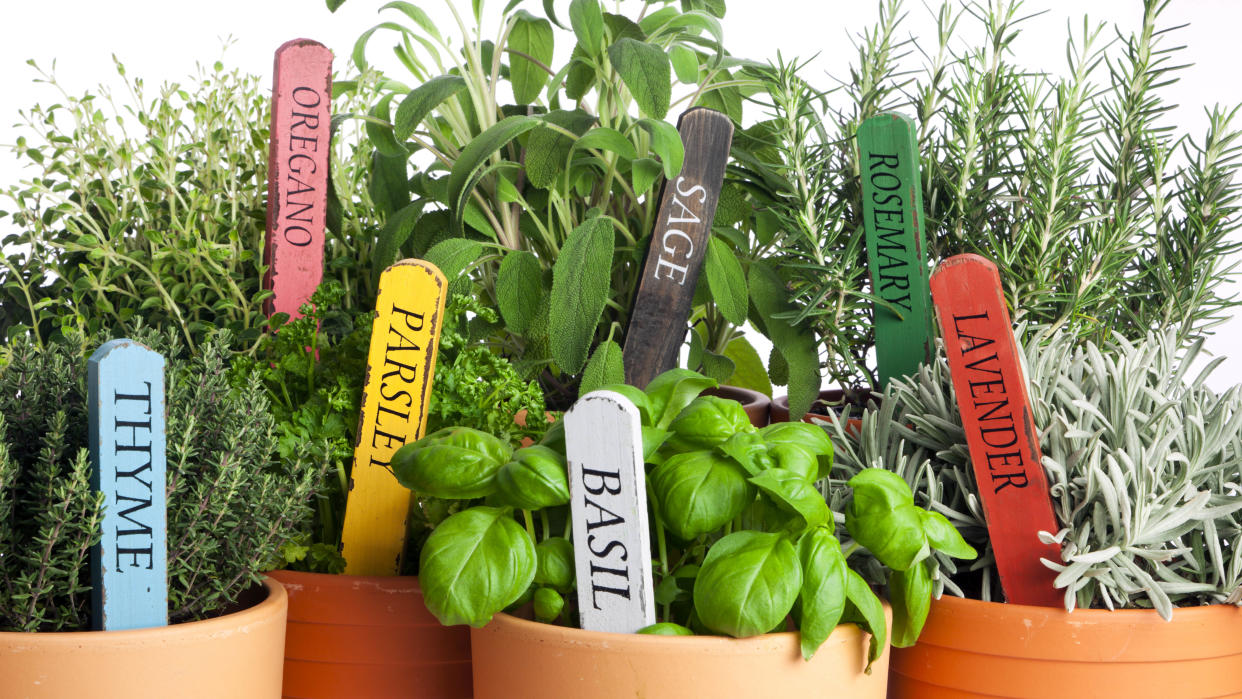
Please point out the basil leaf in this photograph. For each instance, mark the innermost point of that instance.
(865, 609)
(791, 492)
(666, 628)
(670, 392)
(910, 593)
(548, 604)
(707, 422)
(698, 492)
(823, 587)
(748, 583)
(457, 463)
(812, 438)
(943, 536)
(556, 563)
(536, 477)
(474, 564)
(882, 516)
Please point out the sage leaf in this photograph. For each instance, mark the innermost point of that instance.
(748, 583)
(685, 63)
(580, 284)
(381, 134)
(389, 187)
(475, 154)
(604, 138)
(519, 290)
(748, 370)
(547, 150)
(454, 256)
(533, 37)
(643, 174)
(797, 344)
(666, 143)
(645, 70)
(822, 595)
(421, 100)
(474, 564)
(587, 19)
(605, 367)
(726, 280)
(392, 236)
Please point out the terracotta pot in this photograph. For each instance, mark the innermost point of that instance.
(519, 659)
(235, 655)
(974, 649)
(754, 403)
(820, 408)
(358, 637)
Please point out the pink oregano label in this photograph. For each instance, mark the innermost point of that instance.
(297, 189)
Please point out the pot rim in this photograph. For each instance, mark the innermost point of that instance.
(301, 577)
(275, 600)
(781, 640)
(1083, 635)
(745, 396)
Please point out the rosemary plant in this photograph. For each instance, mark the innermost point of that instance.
(232, 503)
(1100, 215)
(1142, 461)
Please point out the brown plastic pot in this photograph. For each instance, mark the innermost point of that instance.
(359, 637)
(975, 649)
(821, 407)
(519, 659)
(235, 655)
(754, 403)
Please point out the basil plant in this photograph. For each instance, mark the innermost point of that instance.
(743, 538)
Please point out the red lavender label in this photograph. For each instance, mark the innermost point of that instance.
(996, 414)
(297, 189)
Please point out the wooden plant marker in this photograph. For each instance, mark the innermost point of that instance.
(297, 179)
(608, 505)
(1004, 444)
(400, 366)
(678, 247)
(896, 248)
(129, 566)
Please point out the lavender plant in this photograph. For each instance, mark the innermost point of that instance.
(1142, 460)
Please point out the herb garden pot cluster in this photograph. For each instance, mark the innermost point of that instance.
(984, 649)
(235, 655)
(353, 635)
(519, 659)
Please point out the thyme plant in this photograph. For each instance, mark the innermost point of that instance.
(1141, 457)
(232, 502)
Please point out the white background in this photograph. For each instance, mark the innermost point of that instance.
(162, 39)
